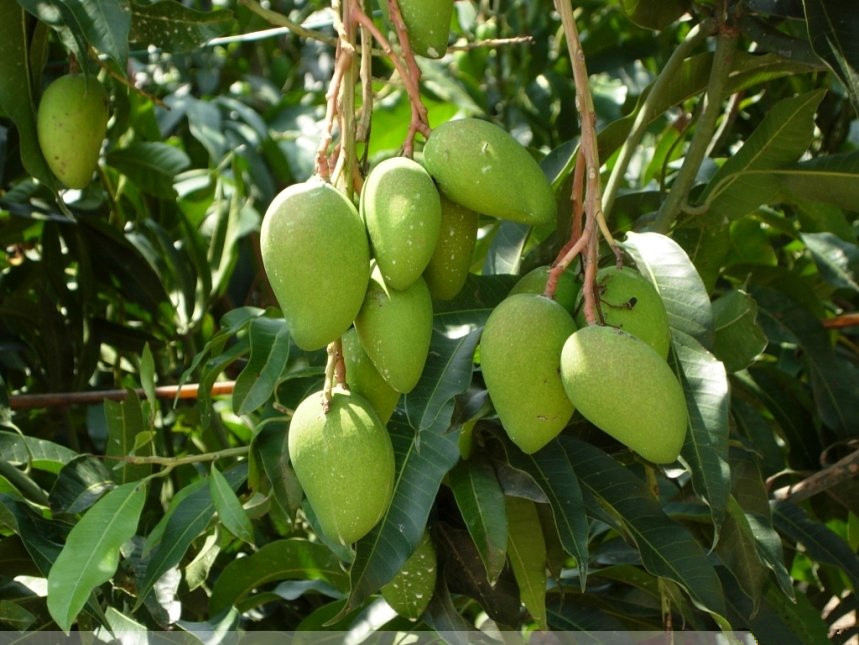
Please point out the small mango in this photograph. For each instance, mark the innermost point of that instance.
(481, 166)
(630, 302)
(448, 267)
(363, 378)
(395, 328)
(344, 461)
(520, 356)
(621, 385)
(402, 210)
(70, 124)
(566, 291)
(427, 24)
(410, 591)
(317, 259)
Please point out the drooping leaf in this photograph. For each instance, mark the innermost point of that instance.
(151, 165)
(18, 450)
(526, 549)
(739, 339)
(745, 180)
(422, 461)
(667, 548)
(834, 36)
(91, 552)
(837, 260)
(829, 179)
(269, 341)
(664, 262)
(228, 507)
(269, 449)
(705, 451)
(481, 503)
(79, 485)
(291, 559)
(738, 550)
(175, 28)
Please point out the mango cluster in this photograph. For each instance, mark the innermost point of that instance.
(368, 275)
(615, 374)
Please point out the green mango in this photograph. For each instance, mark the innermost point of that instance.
(410, 591)
(402, 210)
(479, 165)
(448, 267)
(566, 290)
(621, 385)
(427, 24)
(394, 328)
(520, 354)
(71, 123)
(630, 302)
(363, 378)
(317, 259)
(344, 461)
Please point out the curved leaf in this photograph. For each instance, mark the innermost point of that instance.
(41, 454)
(705, 451)
(229, 508)
(832, 179)
(834, 35)
(269, 341)
(291, 559)
(91, 552)
(527, 551)
(664, 262)
(837, 260)
(481, 503)
(79, 485)
(151, 165)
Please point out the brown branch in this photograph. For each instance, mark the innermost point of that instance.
(58, 399)
(492, 42)
(842, 470)
(343, 63)
(844, 320)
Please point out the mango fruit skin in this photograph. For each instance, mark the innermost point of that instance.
(344, 461)
(481, 166)
(427, 24)
(395, 328)
(317, 259)
(566, 290)
(520, 356)
(402, 210)
(448, 267)
(630, 302)
(621, 385)
(410, 591)
(364, 379)
(71, 123)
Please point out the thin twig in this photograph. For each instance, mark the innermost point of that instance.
(279, 20)
(492, 43)
(842, 470)
(172, 462)
(58, 399)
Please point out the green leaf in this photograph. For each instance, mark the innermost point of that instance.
(819, 542)
(568, 613)
(505, 253)
(151, 165)
(291, 559)
(16, 89)
(480, 501)
(183, 523)
(124, 424)
(664, 262)
(423, 460)
(738, 549)
(745, 180)
(705, 451)
(446, 374)
(269, 341)
(174, 28)
(837, 260)
(739, 338)
(552, 470)
(60, 17)
(41, 454)
(91, 552)
(269, 449)
(79, 485)
(667, 548)
(103, 24)
(229, 508)
(527, 551)
(830, 179)
(834, 35)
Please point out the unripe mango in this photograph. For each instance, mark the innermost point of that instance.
(479, 165)
(394, 328)
(566, 291)
(621, 385)
(71, 123)
(344, 461)
(520, 355)
(630, 302)
(363, 378)
(448, 267)
(317, 259)
(410, 591)
(402, 210)
(427, 24)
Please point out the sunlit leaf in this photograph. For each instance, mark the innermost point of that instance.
(837, 260)
(173, 27)
(830, 179)
(229, 508)
(269, 343)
